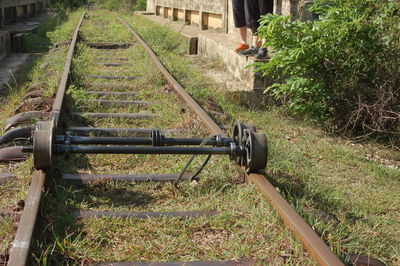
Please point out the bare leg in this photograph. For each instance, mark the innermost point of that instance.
(255, 41)
(243, 34)
(243, 40)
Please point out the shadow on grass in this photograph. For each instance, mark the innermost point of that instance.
(59, 233)
(294, 190)
(38, 41)
(253, 100)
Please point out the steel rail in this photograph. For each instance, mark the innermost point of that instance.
(21, 245)
(58, 102)
(310, 240)
(22, 241)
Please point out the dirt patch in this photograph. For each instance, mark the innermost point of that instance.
(209, 237)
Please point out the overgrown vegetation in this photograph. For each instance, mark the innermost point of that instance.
(342, 69)
(131, 5)
(47, 34)
(71, 4)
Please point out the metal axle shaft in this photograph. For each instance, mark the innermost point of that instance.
(143, 141)
(234, 150)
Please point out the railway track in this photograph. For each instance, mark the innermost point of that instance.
(76, 131)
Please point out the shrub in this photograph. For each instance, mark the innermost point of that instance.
(342, 69)
(71, 4)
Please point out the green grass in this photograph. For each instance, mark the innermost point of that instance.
(93, 32)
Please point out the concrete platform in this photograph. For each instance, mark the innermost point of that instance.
(220, 46)
(11, 39)
(11, 67)
(26, 25)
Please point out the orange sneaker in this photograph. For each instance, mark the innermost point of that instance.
(241, 47)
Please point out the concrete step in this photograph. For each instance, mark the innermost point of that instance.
(11, 66)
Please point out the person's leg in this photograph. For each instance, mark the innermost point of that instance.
(240, 23)
(266, 7)
(243, 34)
(252, 16)
(255, 41)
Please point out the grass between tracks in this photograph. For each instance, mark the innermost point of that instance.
(42, 74)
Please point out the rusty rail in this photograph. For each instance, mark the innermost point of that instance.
(58, 102)
(21, 245)
(311, 241)
(20, 248)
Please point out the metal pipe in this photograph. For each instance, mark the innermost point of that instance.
(60, 149)
(141, 141)
(27, 149)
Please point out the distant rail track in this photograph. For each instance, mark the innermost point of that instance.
(52, 138)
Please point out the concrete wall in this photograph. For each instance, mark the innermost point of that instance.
(217, 14)
(295, 8)
(15, 10)
(207, 14)
(5, 44)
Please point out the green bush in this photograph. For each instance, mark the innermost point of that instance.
(342, 69)
(71, 4)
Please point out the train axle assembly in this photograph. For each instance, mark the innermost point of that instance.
(246, 147)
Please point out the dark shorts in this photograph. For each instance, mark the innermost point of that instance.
(239, 16)
(254, 9)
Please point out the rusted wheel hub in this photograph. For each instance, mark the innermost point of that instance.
(43, 145)
(255, 144)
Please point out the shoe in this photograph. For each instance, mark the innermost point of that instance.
(241, 47)
(251, 51)
(262, 53)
